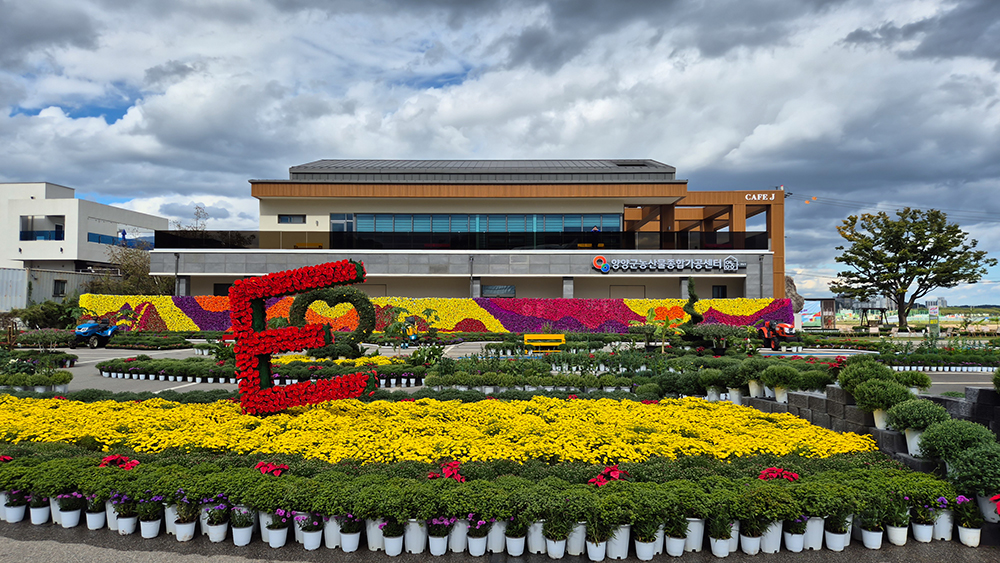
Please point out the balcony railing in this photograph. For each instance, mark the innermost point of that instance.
(460, 241)
(43, 235)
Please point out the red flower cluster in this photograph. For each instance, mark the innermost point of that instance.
(449, 471)
(995, 499)
(649, 402)
(571, 397)
(119, 461)
(610, 473)
(5, 458)
(267, 468)
(254, 347)
(777, 473)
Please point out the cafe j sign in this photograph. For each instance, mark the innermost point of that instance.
(725, 265)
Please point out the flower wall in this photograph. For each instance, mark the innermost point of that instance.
(463, 315)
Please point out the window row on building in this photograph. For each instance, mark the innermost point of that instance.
(466, 223)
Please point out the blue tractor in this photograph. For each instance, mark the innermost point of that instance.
(94, 334)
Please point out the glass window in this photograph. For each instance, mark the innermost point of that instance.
(611, 222)
(383, 223)
(591, 221)
(572, 223)
(553, 223)
(440, 223)
(516, 224)
(535, 223)
(477, 223)
(366, 222)
(59, 288)
(338, 216)
(421, 223)
(497, 223)
(459, 223)
(403, 223)
(337, 227)
(719, 292)
(292, 219)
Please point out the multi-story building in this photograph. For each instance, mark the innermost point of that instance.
(52, 236)
(494, 228)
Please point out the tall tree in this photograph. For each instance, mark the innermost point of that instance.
(905, 258)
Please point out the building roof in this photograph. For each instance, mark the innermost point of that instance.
(485, 171)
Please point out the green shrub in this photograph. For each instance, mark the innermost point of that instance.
(815, 379)
(916, 414)
(856, 373)
(996, 378)
(785, 377)
(947, 439)
(876, 394)
(977, 470)
(713, 378)
(917, 379)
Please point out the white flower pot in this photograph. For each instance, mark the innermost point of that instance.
(555, 548)
(897, 534)
(734, 536)
(880, 419)
(217, 533)
(112, 516)
(969, 536)
(870, 539)
(768, 392)
(3, 507)
(835, 542)
(276, 538)
(749, 545)
(312, 540)
(756, 389)
(988, 509)
(458, 538)
(922, 532)
(944, 525)
(40, 515)
(675, 546)
(265, 520)
(597, 551)
(242, 536)
(577, 540)
(438, 545)
(477, 546)
(70, 518)
(515, 546)
(349, 542)
(331, 533)
(150, 529)
(645, 551)
(814, 533)
(720, 548)
(497, 542)
(126, 526)
(185, 530)
(736, 395)
(712, 395)
(658, 540)
(376, 541)
(96, 520)
(795, 542)
(535, 539)
(780, 396)
(770, 540)
(696, 534)
(618, 544)
(913, 441)
(169, 518)
(415, 536)
(15, 514)
(54, 511)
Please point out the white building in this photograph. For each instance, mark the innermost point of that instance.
(46, 229)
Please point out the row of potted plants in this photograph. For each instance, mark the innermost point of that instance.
(40, 382)
(604, 512)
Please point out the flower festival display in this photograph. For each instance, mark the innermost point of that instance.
(255, 342)
(148, 312)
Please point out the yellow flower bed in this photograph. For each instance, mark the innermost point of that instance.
(602, 431)
(450, 310)
(735, 307)
(365, 361)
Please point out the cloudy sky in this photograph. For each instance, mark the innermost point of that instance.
(865, 104)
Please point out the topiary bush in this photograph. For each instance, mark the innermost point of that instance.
(785, 377)
(917, 379)
(876, 394)
(947, 439)
(916, 414)
(815, 379)
(976, 470)
(856, 373)
(713, 378)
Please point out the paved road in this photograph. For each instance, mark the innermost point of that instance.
(23, 542)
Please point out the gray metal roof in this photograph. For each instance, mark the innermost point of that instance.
(485, 171)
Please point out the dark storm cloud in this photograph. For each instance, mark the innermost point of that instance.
(970, 29)
(26, 27)
(169, 72)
